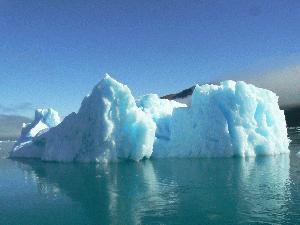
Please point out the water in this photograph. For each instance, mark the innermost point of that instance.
(175, 191)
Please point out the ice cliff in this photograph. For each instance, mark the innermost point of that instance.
(230, 119)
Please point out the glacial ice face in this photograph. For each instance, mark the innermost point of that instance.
(232, 119)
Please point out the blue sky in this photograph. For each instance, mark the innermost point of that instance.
(53, 52)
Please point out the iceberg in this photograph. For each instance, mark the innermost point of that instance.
(230, 119)
(226, 120)
(108, 126)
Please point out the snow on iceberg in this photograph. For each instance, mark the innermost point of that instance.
(232, 119)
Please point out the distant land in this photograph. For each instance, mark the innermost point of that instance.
(292, 113)
(182, 94)
(10, 126)
(292, 116)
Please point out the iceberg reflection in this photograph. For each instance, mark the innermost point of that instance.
(229, 190)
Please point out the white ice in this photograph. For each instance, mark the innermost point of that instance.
(108, 126)
(43, 120)
(232, 119)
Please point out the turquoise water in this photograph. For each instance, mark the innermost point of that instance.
(175, 191)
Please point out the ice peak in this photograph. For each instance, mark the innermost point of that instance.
(107, 80)
(107, 76)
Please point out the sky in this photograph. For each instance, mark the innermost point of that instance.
(53, 52)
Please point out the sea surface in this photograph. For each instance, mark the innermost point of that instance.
(262, 190)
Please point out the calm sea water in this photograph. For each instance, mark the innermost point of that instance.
(262, 190)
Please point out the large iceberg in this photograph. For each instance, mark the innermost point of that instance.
(230, 119)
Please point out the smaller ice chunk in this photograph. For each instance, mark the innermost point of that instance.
(44, 119)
